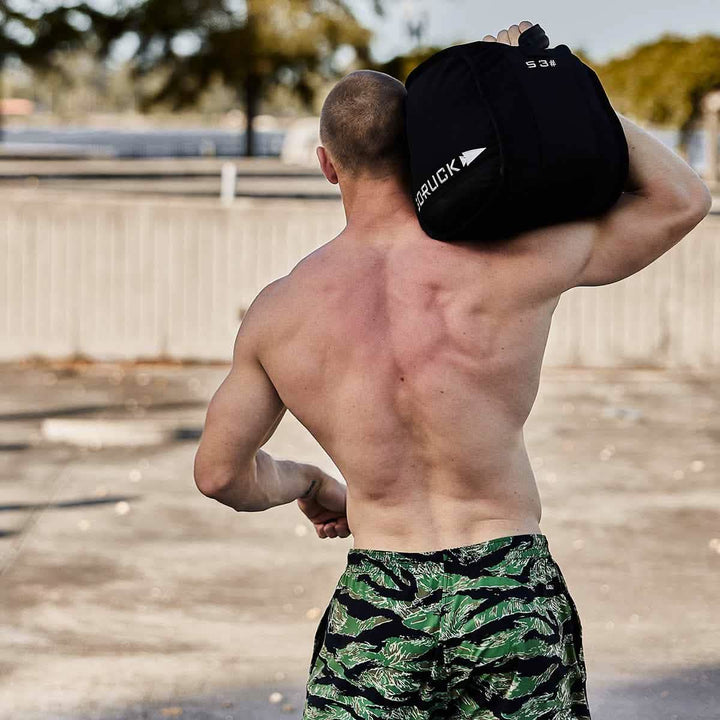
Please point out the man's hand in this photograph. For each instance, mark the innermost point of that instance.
(325, 507)
(511, 35)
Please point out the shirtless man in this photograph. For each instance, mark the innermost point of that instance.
(415, 363)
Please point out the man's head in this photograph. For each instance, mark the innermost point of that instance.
(362, 128)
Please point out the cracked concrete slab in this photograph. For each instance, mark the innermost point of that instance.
(127, 594)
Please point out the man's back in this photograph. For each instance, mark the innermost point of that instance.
(415, 364)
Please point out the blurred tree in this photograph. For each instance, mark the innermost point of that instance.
(251, 46)
(663, 82)
(582, 54)
(33, 35)
(402, 65)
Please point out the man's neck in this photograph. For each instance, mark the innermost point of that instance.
(372, 204)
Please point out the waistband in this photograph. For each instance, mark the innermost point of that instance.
(524, 545)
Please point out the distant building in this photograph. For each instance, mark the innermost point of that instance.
(301, 139)
(17, 106)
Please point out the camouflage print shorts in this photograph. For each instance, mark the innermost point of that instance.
(486, 631)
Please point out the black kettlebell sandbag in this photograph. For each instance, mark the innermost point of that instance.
(505, 139)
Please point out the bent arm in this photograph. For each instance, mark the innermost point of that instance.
(229, 465)
(664, 200)
(241, 417)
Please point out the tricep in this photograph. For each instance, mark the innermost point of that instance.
(637, 230)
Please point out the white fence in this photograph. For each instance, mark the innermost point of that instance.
(134, 279)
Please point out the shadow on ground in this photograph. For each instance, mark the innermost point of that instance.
(692, 694)
(82, 502)
(72, 411)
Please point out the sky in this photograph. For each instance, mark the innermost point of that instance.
(603, 29)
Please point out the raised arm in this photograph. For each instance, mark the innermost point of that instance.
(663, 201)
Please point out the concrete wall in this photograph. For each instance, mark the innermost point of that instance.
(124, 279)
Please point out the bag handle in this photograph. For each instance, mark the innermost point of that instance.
(534, 38)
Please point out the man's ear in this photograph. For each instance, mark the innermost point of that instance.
(326, 165)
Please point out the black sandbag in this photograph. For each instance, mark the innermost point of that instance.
(506, 138)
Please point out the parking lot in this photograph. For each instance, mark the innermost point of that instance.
(127, 594)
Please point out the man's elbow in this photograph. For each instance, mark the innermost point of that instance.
(208, 479)
(208, 485)
(698, 202)
(686, 213)
(705, 201)
(219, 488)
(224, 487)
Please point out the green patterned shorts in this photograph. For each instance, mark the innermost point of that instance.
(486, 631)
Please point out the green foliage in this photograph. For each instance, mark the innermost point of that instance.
(288, 48)
(267, 43)
(35, 38)
(663, 82)
(274, 41)
(189, 45)
(402, 65)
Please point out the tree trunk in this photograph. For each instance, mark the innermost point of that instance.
(252, 97)
(2, 119)
(683, 143)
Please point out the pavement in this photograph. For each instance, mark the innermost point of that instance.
(126, 594)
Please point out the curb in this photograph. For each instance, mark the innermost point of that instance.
(106, 433)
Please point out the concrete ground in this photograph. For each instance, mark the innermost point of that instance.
(126, 594)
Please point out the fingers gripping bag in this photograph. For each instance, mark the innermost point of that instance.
(505, 139)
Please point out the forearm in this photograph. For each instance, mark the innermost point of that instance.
(656, 170)
(268, 483)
